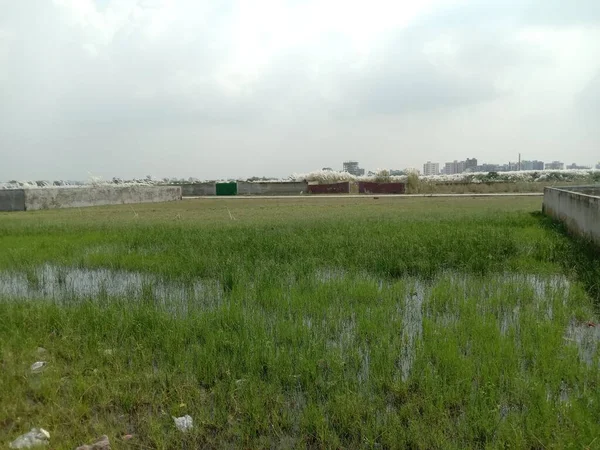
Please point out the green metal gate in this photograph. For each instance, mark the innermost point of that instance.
(226, 188)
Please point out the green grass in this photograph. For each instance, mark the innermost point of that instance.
(322, 323)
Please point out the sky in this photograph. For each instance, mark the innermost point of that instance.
(239, 88)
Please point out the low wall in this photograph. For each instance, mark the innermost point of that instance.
(578, 211)
(72, 197)
(333, 188)
(275, 188)
(12, 200)
(588, 190)
(198, 189)
(368, 187)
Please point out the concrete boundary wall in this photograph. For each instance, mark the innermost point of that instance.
(578, 211)
(272, 188)
(79, 197)
(12, 200)
(198, 189)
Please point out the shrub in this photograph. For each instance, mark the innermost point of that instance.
(413, 184)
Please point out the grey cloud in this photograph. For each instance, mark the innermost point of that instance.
(482, 15)
(397, 78)
(588, 100)
(486, 34)
(129, 80)
(305, 81)
(486, 48)
(563, 13)
(486, 14)
(402, 77)
(418, 88)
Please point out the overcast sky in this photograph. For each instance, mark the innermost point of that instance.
(235, 88)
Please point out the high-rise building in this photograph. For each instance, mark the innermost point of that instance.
(598, 166)
(430, 168)
(555, 165)
(471, 165)
(450, 168)
(532, 165)
(352, 167)
(513, 166)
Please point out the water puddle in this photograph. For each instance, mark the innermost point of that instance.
(509, 319)
(562, 395)
(439, 299)
(586, 337)
(412, 331)
(67, 283)
(344, 338)
(329, 274)
(365, 364)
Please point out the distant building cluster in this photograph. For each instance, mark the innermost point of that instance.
(466, 166)
(353, 168)
(577, 167)
(471, 165)
(555, 165)
(532, 165)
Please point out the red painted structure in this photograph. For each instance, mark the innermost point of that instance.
(334, 188)
(368, 187)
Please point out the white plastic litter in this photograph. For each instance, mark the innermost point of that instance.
(35, 438)
(38, 366)
(184, 423)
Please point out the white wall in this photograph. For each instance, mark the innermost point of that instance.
(579, 212)
(71, 197)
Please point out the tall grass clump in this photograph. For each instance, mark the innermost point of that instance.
(413, 184)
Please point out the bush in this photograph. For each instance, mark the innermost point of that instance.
(413, 184)
(383, 176)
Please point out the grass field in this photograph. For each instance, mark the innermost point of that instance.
(321, 323)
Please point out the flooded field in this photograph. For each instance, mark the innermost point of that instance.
(65, 285)
(343, 324)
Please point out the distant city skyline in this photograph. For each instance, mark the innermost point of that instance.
(467, 165)
(471, 165)
(356, 167)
